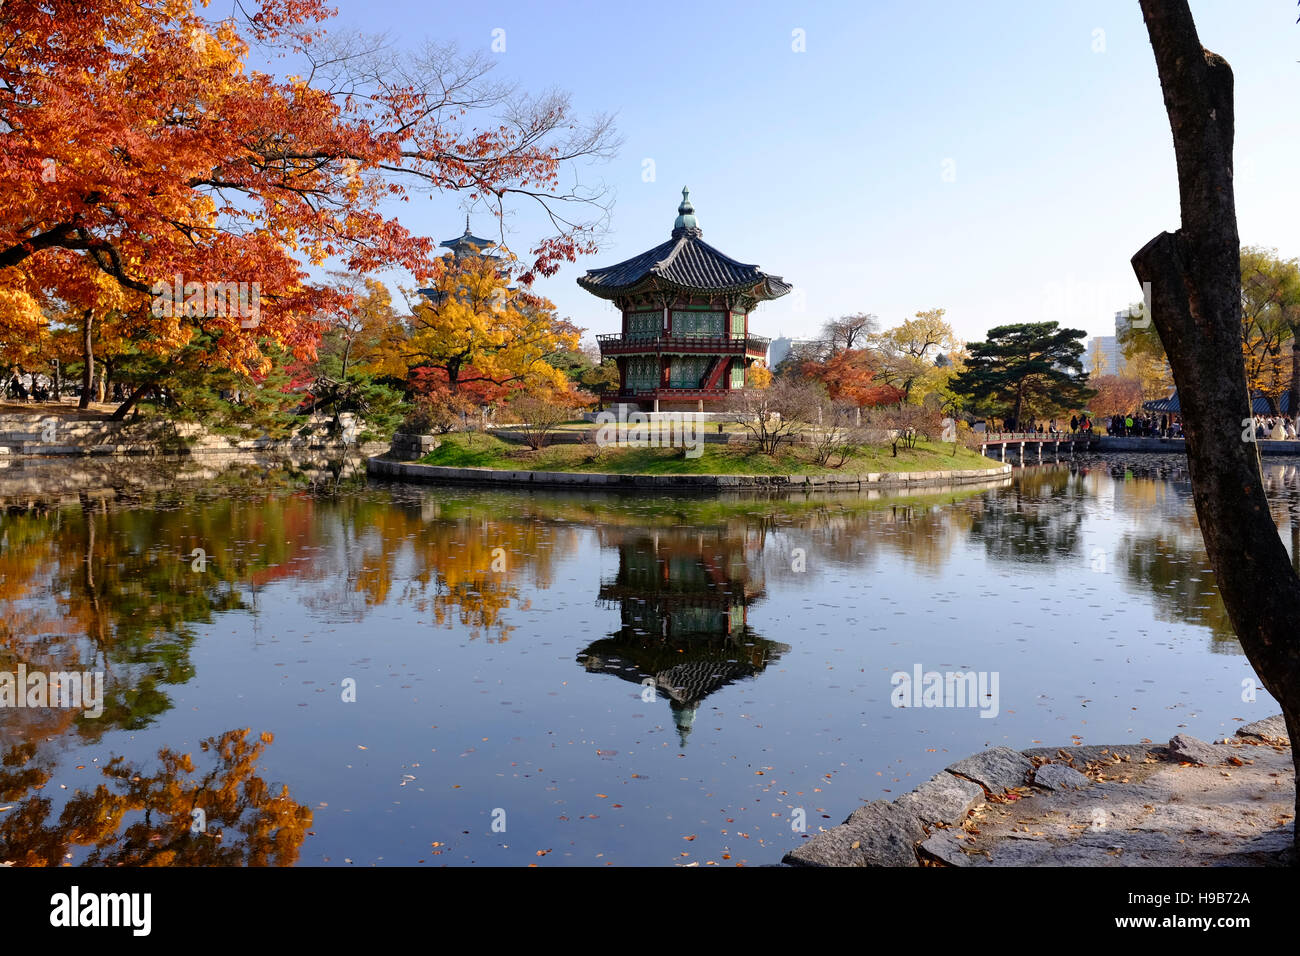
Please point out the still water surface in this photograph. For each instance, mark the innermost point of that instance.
(453, 676)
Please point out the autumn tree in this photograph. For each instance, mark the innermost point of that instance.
(1270, 312)
(905, 355)
(138, 141)
(1196, 294)
(849, 375)
(1116, 395)
(478, 332)
(758, 375)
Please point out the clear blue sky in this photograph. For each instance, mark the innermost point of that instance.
(827, 166)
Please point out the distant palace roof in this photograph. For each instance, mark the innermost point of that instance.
(468, 244)
(684, 262)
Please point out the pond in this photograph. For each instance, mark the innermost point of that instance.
(357, 673)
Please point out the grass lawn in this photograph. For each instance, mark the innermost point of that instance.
(463, 450)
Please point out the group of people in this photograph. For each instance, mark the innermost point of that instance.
(1033, 427)
(26, 387)
(1145, 426)
(1274, 428)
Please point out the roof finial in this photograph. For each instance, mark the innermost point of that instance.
(685, 216)
(467, 224)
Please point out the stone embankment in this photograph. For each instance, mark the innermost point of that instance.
(386, 467)
(43, 434)
(1113, 443)
(1188, 803)
(25, 482)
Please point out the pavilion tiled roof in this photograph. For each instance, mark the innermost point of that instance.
(684, 262)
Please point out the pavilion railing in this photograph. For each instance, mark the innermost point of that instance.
(720, 343)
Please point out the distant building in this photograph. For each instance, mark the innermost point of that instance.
(1104, 355)
(781, 347)
(462, 247)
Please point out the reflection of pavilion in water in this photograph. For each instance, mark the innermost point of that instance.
(683, 598)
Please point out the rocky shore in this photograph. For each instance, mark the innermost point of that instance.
(1186, 803)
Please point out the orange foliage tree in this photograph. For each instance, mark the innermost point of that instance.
(138, 142)
(848, 376)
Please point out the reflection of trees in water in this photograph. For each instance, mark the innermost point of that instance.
(137, 819)
(921, 533)
(683, 597)
(1179, 583)
(1282, 485)
(1039, 518)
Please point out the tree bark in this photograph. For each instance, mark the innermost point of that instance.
(131, 400)
(1196, 306)
(88, 357)
(1295, 371)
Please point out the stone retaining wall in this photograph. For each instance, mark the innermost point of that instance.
(388, 468)
(42, 434)
(1179, 446)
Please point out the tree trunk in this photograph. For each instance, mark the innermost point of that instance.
(125, 408)
(87, 357)
(1196, 306)
(1295, 371)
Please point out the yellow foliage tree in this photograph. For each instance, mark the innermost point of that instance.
(904, 356)
(481, 335)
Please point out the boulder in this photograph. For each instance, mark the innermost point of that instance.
(878, 834)
(995, 770)
(1271, 729)
(1057, 776)
(943, 799)
(946, 848)
(1184, 747)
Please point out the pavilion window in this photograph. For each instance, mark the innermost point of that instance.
(698, 325)
(642, 373)
(644, 325)
(738, 325)
(737, 374)
(687, 370)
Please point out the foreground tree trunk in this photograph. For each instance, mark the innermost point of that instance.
(1195, 302)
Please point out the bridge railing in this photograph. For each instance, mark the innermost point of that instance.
(1037, 436)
